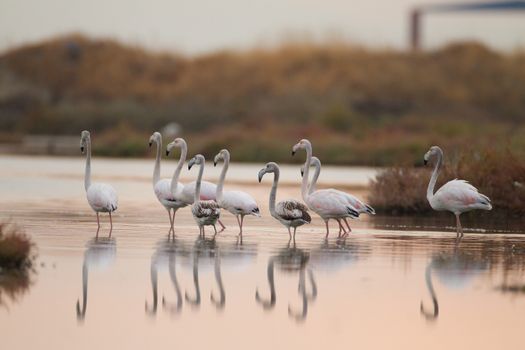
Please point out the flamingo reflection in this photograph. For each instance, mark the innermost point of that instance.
(99, 255)
(290, 260)
(454, 270)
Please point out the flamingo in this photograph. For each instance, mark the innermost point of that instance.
(101, 197)
(208, 189)
(356, 203)
(456, 196)
(168, 192)
(238, 203)
(324, 203)
(290, 212)
(205, 212)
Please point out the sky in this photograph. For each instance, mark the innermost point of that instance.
(201, 26)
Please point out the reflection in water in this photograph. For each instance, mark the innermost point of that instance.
(14, 284)
(165, 254)
(290, 260)
(203, 250)
(100, 254)
(454, 270)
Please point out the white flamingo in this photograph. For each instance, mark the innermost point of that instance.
(326, 204)
(208, 189)
(238, 203)
(101, 197)
(205, 212)
(456, 196)
(355, 202)
(290, 212)
(168, 191)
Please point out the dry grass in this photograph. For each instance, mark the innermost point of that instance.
(16, 257)
(15, 248)
(499, 175)
(359, 106)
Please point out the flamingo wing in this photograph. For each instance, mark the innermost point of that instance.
(102, 197)
(292, 210)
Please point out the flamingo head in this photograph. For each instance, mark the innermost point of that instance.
(313, 162)
(85, 138)
(303, 144)
(198, 159)
(222, 155)
(155, 137)
(178, 142)
(270, 167)
(432, 152)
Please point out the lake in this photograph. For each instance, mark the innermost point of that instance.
(394, 283)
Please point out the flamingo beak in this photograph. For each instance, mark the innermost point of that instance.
(293, 153)
(167, 152)
(302, 172)
(149, 143)
(82, 149)
(425, 162)
(260, 175)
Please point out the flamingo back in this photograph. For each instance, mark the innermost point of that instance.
(459, 196)
(102, 197)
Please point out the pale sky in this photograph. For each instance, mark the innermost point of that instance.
(199, 26)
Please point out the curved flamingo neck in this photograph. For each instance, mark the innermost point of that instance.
(273, 192)
(220, 185)
(197, 196)
(156, 170)
(313, 183)
(435, 174)
(87, 177)
(304, 186)
(176, 174)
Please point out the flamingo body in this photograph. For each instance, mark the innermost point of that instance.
(102, 197)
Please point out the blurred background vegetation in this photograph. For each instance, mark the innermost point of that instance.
(358, 106)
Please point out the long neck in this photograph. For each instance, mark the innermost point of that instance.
(433, 179)
(304, 186)
(197, 196)
(176, 174)
(220, 185)
(273, 192)
(156, 170)
(87, 177)
(313, 184)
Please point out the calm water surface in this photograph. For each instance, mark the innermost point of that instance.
(394, 283)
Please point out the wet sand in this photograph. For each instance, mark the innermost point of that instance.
(363, 292)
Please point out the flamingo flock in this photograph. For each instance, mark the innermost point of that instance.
(207, 199)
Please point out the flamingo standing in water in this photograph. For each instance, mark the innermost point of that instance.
(168, 192)
(101, 197)
(456, 196)
(356, 203)
(208, 189)
(205, 212)
(290, 212)
(238, 203)
(327, 204)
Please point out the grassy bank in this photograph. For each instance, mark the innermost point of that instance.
(499, 175)
(357, 105)
(16, 259)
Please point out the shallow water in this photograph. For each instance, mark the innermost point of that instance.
(394, 283)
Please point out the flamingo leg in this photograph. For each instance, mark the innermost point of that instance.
(173, 224)
(459, 228)
(347, 225)
(215, 228)
(242, 221)
(111, 223)
(289, 232)
(294, 229)
(98, 223)
(327, 229)
(341, 229)
(222, 225)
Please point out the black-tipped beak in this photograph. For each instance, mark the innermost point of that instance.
(189, 166)
(302, 172)
(150, 144)
(214, 163)
(82, 149)
(167, 152)
(293, 153)
(425, 162)
(260, 178)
